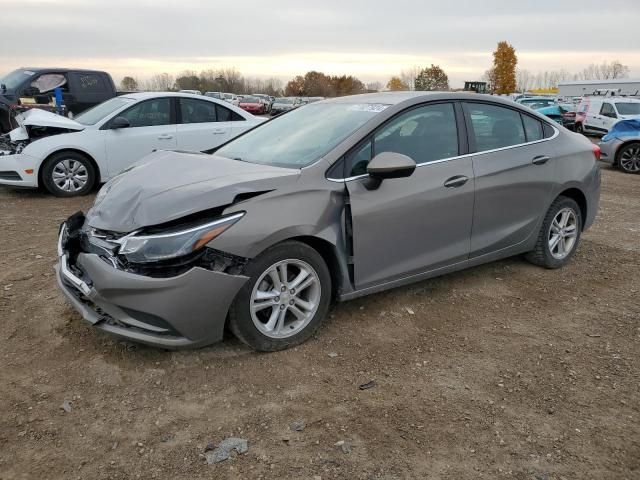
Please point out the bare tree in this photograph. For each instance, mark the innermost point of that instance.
(618, 70)
(490, 78)
(409, 76)
(374, 86)
(524, 80)
(160, 82)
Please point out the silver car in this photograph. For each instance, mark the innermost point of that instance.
(621, 146)
(335, 200)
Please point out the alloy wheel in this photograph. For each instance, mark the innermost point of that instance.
(70, 175)
(285, 298)
(630, 159)
(563, 233)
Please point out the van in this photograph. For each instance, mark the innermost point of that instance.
(596, 115)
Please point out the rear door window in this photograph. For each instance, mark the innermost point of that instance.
(493, 126)
(197, 111)
(149, 113)
(226, 115)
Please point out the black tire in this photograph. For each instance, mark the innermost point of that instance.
(579, 128)
(76, 189)
(542, 254)
(240, 319)
(634, 165)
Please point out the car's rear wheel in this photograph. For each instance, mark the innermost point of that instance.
(284, 301)
(629, 158)
(578, 128)
(559, 235)
(68, 174)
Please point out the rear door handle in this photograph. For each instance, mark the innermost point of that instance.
(219, 131)
(165, 136)
(540, 159)
(457, 181)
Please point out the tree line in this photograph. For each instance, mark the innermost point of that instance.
(504, 76)
(227, 80)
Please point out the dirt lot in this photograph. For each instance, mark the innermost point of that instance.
(502, 371)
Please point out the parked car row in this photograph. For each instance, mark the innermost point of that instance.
(259, 103)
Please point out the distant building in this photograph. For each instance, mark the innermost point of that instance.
(579, 88)
(478, 87)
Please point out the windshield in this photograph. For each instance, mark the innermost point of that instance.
(14, 79)
(284, 100)
(250, 100)
(539, 104)
(302, 136)
(97, 113)
(628, 108)
(538, 101)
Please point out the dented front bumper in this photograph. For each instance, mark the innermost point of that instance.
(187, 310)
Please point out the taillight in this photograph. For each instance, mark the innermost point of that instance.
(596, 151)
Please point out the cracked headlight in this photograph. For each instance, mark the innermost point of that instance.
(138, 247)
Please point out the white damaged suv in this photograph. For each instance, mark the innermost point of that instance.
(68, 157)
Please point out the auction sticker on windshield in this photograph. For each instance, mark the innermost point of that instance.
(368, 107)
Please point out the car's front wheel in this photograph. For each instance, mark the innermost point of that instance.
(67, 174)
(579, 128)
(285, 300)
(559, 235)
(629, 158)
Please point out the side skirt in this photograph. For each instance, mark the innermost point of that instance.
(472, 262)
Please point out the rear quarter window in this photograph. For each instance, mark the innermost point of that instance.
(532, 128)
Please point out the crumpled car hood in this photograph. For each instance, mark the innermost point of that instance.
(168, 185)
(41, 118)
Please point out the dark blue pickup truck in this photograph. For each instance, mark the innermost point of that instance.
(34, 87)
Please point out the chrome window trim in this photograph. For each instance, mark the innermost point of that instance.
(556, 132)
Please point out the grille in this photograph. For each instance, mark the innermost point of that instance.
(10, 175)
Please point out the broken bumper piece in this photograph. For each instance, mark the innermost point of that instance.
(185, 311)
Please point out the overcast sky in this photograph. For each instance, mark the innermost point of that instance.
(371, 39)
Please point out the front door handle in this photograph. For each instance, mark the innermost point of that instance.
(457, 181)
(219, 131)
(540, 159)
(165, 136)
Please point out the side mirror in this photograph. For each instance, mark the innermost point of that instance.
(119, 122)
(388, 165)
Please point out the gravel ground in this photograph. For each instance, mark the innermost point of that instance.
(502, 371)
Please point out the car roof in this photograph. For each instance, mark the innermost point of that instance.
(394, 98)
(58, 69)
(146, 95)
(601, 98)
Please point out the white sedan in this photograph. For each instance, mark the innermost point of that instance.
(68, 157)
